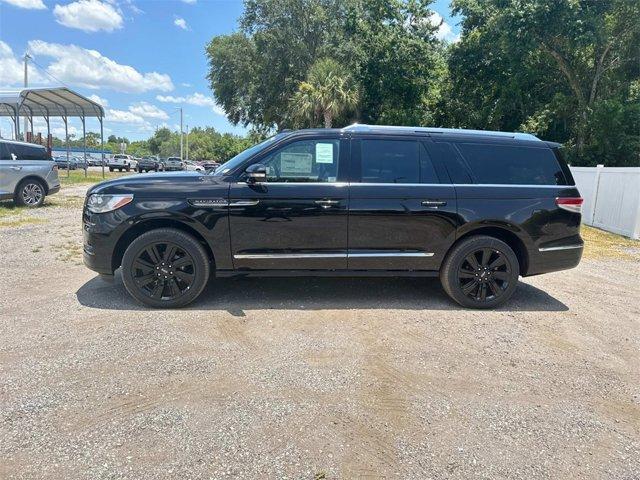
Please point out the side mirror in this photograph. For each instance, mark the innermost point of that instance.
(256, 173)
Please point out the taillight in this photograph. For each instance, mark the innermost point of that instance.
(570, 204)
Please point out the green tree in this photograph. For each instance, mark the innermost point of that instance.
(387, 46)
(557, 68)
(328, 92)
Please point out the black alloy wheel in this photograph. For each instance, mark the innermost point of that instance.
(484, 274)
(165, 268)
(480, 272)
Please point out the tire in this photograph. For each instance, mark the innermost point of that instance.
(30, 193)
(111, 169)
(128, 169)
(495, 272)
(146, 260)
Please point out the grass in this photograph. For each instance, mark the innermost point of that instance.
(20, 221)
(76, 177)
(601, 244)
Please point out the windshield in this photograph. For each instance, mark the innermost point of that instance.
(233, 163)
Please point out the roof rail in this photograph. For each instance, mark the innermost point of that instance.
(359, 127)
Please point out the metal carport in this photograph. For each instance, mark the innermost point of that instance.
(51, 102)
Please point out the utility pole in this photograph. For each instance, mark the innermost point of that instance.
(181, 137)
(26, 84)
(187, 142)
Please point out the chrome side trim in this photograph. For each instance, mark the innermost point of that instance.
(514, 185)
(275, 256)
(244, 203)
(384, 254)
(564, 247)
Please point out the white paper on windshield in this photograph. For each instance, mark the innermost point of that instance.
(324, 152)
(296, 163)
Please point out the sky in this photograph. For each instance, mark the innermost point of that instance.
(141, 59)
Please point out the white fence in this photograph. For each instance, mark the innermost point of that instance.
(611, 198)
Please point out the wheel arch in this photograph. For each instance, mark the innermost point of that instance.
(33, 177)
(154, 224)
(508, 236)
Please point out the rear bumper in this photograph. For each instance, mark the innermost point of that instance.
(554, 258)
(53, 190)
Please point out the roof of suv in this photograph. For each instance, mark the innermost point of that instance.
(397, 130)
(17, 142)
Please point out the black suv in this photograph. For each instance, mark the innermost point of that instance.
(478, 209)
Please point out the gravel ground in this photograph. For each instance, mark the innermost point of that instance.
(311, 378)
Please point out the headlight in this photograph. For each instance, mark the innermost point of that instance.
(107, 203)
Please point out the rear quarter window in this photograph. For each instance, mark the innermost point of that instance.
(512, 165)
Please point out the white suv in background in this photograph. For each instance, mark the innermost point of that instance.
(122, 162)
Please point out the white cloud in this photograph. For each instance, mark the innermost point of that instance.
(197, 99)
(12, 69)
(190, 2)
(445, 31)
(147, 110)
(29, 4)
(181, 23)
(123, 116)
(102, 101)
(90, 69)
(185, 84)
(89, 16)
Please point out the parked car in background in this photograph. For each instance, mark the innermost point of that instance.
(27, 173)
(122, 162)
(95, 161)
(192, 166)
(64, 164)
(210, 165)
(476, 209)
(171, 164)
(148, 164)
(80, 161)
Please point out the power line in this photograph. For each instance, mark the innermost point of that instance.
(41, 68)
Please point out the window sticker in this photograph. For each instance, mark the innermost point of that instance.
(296, 163)
(324, 152)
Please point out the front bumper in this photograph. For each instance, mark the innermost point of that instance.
(100, 237)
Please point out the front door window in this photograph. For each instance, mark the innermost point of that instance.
(304, 162)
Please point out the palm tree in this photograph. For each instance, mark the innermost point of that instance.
(327, 93)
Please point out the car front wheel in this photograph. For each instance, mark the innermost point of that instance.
(30, 193)
(165, 268)
(480, 272)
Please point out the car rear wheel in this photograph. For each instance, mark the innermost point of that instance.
(480, 272)
(30, 193)
(165, 268)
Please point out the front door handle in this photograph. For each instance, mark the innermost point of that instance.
(433, 203)
(17, 169)
(327, 203)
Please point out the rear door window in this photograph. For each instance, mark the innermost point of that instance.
(29, 152)
(390, 161)
(512, 165)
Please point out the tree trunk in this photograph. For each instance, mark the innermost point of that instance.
(327, 119)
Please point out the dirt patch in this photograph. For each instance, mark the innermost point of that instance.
(313, 378)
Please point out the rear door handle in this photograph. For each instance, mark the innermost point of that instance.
(327, 203)
(433, 203)
(16, 168)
